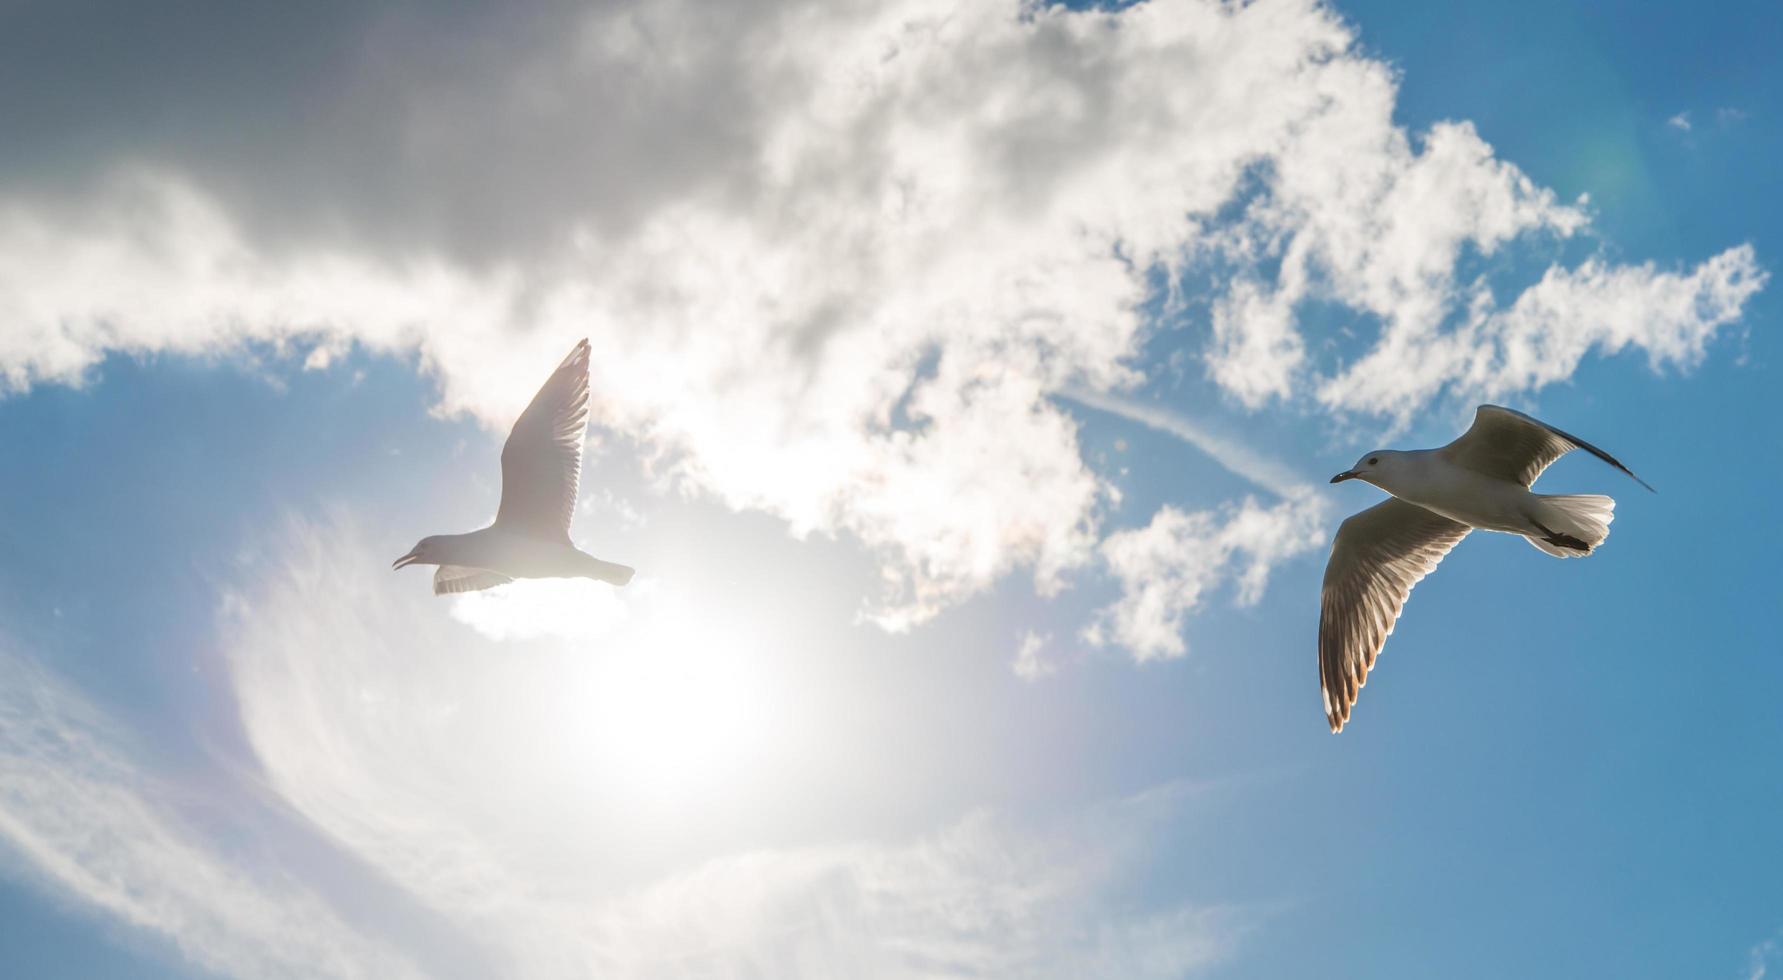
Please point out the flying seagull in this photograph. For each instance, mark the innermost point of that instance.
(541, 469)
(1480, 480)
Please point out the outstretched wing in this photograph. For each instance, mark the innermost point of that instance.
(541, 464)
(1379, 554)
(461, 578)
(1509, 445)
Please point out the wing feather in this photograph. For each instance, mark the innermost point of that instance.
(1509, 445)
(1378, 555)
(450, 579)
(541, 463)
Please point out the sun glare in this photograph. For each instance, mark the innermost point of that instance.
(648, 699)
(686, 705)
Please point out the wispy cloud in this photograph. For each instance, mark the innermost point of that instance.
(985, 897)
(410, 746)
(1028, 664)
(87, 822)
(1241, 458)
(468, 773)
(1761, 957)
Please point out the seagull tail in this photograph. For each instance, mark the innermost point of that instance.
(607, 571)
(1571, 525)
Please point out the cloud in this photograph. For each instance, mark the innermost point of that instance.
(1237, 456)
(835, 257)
(480, 778)
(1351, 211)
(1028, 664)
(84, 820)
(1382, 229)
(1761, 957)
(1167, 568)
(1546, 333)
(983, 898)
(432, 760)
(1680, 122)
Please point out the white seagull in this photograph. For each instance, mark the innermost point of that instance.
(1480, 480)
(541, 470)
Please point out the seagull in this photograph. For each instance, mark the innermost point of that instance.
(1480, 480)
(541, 470)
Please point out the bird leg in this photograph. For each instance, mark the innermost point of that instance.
(1560, 540)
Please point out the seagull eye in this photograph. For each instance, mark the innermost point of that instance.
(1373, 460)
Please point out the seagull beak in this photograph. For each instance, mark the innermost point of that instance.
(403, 562)
(1345, 475)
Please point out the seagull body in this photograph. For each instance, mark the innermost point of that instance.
(1480, 481)
(541, 471)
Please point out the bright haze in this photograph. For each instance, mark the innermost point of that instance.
(963, 381)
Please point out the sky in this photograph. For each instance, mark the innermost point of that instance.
(966, 382)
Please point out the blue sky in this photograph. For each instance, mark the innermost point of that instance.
(949, 655)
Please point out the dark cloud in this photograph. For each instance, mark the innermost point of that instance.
(483, 133)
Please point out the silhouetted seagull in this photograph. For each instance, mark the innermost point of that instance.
(1480, 480)
(541, 469)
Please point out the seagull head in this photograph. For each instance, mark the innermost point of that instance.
(425, 552)
(1369, 468)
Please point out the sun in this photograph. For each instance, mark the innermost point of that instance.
(650, 700)
(688, 704)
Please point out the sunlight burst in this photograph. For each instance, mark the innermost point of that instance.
(653, 699)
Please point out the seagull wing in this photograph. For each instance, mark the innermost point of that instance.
(1509, 445)
(1378, 556)
(462, 578)
(541, 464)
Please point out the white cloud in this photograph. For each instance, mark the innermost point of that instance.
(1028, 664)
(84, 820)
(1761, 957)
(1167, 568)
(1680, 122)
(1350, 212)
(1235, 455)
(981, 898)
(1257, 352)
(835, 257)
(1543, 336)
